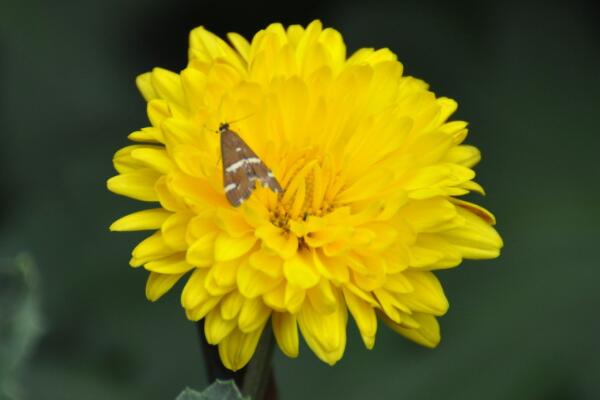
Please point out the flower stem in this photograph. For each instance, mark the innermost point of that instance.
(259, 380)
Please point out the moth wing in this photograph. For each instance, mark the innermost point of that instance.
(238, 187)
(239, 182)
(255, 170)
(259, 171)
(266, 177)
(230, 142)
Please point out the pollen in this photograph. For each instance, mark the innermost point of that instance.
(304, 191)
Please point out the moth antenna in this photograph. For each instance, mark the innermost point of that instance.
(210, 130)
(242, 118)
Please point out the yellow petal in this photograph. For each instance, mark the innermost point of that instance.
(366, 296)
(203, 308)
(199, 192)
(221, 277)
(125, 163)
(322, 297)
(436, 179)
(201, 225)
(380, 236)
(424, 257)
(299, 270)
(141, 220)
(253, 315)
(324, 334)
(158, 111)
(216, 328)
(194, 83)
(433, 251)
(326, 235)
(430, 148)
(294, 33)
(336, 248)
(427, 295)
(193, 160)
(153, 247)
(167, 85)
(293, 298)
(397, 258)
(201, 252)
(231, 305)
(149, 134)
(229, 248)
(398, 283)
(159, 284)
(278, 240)
(368, 271)
(477, 239)
(477, 210)
(180, 132)
(364, 316)
(334, 43)
(240, 44)
(144, 85)
(206, 44)
(175, 264)
(253, 283)
(233, 223)
(255, 214)
(238, 347)
(334, 268)
(285, 330)
(168, 200)
(311, 34)
(371, 184)
(174, 231)
(267, 262)
(155, 158)
(390, 304)
(473, 186)
(275, 298)
(429, 214)
(138, 185)
(428, 333)
(464, 155)
(194, 293)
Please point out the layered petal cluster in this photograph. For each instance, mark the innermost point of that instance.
(371, 170)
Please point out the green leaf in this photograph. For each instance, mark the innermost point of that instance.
(20, 324)
(219, 390)
(190, 394)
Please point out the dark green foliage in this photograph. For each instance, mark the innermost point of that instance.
(19, 321)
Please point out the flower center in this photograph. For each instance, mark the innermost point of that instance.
(309, 187)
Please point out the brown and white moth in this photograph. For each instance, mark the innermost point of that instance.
(242, 168)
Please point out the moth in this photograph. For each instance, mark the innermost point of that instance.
(242, 168)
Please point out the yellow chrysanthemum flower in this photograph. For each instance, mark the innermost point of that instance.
(369, 166)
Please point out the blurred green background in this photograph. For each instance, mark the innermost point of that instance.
(527, 78)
